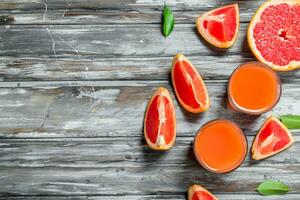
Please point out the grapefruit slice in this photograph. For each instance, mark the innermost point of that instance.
(197, 192)
(272, 138)
(274, 34)
(220, 26)
(188, 85)
(160, 121)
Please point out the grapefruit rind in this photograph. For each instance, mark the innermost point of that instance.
(251, 41)
(256, 155)
(160, 91)
(210, 39)
(195, 188)
(202, 107)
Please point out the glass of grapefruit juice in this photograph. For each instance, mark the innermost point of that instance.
(254, 88)
(220, 146)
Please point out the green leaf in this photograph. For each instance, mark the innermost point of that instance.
(291, 121)
(168, 21)
(270, 187)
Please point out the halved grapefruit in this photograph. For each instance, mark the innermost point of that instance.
(272, 138)
(220, 26)
(160, 121)
(188, 85)
(274, 34)
(197, 192)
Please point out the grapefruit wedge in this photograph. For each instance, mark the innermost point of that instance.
(272, 138)
(274, 34)
(188, 85)
(197, 192)
(220, 26)
(160, 121)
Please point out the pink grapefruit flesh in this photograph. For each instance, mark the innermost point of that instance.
(274, 34)
(219, 27)
(160, 122)
(197, 192)
(188, 85)
(271, 139)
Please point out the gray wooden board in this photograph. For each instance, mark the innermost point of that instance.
(113, 165)
(120, 68)
(102, 52)
(116, 11)
(88, 41)
(76, 76)
(111, 108)
(151, 197)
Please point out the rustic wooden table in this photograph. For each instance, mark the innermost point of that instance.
(76, 76)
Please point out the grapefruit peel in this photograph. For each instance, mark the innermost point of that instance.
(160, 143)
(271, 140)
(197, 188)
(217, 18)
(189, 80)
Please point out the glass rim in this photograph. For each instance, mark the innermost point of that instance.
(248, 111)
(205, 166)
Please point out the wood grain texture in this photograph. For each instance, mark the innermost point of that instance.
(111, 108)
(75, 78)
(113, 165)
(104, 52)
(117, 152)
(151, 197)
(88, 41)
(116, 11)
(121, 68)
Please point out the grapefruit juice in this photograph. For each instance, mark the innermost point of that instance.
(254, 88)
(220, 146)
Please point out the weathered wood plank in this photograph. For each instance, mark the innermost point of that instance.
(114, 166)
(110, 52)
(159, 196)
(89, 41)
(118, 151)
(110, 108)
(92, 166)
(108, 16)
(100, 12)
(187, 5)
(122, 166)
(123, 180)
(124, 68)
